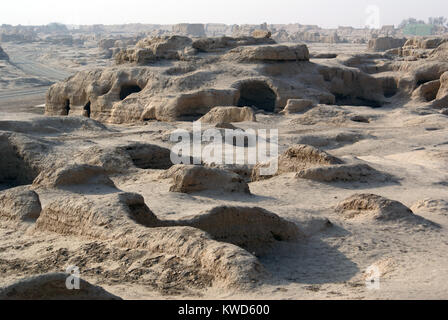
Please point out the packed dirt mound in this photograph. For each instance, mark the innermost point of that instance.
(342, 172)
(72, 174)
(228, 115)
(19, 204)
(297, 158)
(194, 178)
(124, 219)
(299, 155)
(251, 228)
(437, 206)
(52, 286)
(374, 207)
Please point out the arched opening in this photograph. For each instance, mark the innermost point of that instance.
(86, 110)
(128, 89)
(67, 107)
(257, 94)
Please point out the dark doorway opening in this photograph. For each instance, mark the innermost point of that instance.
(128, 89)
(257, 94)
(67, 107)
(87, 110)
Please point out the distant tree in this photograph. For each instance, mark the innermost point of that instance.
(437, 21)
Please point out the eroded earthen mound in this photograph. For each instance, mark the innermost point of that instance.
(72, 174)
(151, 49)
(251, 228)
(385, 43)
(438, 206)
(297, 158)
(342, 172)
(124, 220)
(374, 207)
(297, 105)
(194, 178)
(228, 115)
(19, 204)
(52, 286)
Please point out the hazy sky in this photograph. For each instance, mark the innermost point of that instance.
(326, 13)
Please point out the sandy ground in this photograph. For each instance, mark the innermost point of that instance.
(330, 263)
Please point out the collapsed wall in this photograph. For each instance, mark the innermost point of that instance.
(385, 43)
(189, 29)
(124, 220)
(176, 78)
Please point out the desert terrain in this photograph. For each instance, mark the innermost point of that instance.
(87, 179)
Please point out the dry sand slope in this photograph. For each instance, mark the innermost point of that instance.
(357, 186)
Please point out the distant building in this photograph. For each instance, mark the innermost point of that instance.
(418, 30)
(189, 29)
(388, 30)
